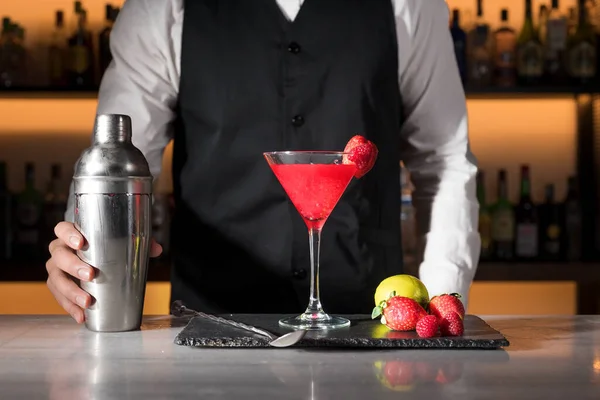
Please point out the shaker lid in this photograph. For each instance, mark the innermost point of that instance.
(112, 153)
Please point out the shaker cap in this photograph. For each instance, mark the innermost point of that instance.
(112, 153)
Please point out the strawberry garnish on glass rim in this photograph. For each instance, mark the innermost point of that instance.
(362, 153)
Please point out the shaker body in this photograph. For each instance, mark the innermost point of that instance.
(117, 231)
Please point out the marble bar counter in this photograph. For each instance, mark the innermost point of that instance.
(51, 357)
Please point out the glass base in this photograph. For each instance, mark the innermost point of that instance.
(314, 322)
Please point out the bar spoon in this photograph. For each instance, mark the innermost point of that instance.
(178, 309)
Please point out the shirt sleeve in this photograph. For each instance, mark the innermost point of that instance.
(142, 81)
(435, 148)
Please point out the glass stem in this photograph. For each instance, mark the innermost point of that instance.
(314, 309)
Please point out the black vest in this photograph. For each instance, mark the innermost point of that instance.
(252, 81)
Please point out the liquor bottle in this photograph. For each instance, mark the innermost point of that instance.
(459, 37)
(581, 50)
(479, 53)
(5, 66)
(503, 221)
(572, 21)
(10, 54)
(526, 220)
(485, 219)
(81, 57)
(572, 222)
(556, 44)
(407, 214)
(19, 56)
(28, 215)
(5, 215)
(55, 203)
(551, 231)
(530, 62)
(104, 38)
(543, 24)
(56, 52)
(505, 52)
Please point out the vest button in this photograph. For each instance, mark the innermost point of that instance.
(298, 121)
(294, 48)
(299, 273)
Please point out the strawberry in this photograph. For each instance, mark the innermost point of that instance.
(399, 373)
(445, 304)
(449, 372)
(427, 326)
(452, 325)
(399, 313)
(426, 371)
(361, 152)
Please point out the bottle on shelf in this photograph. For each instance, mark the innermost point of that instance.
(56, 51)
(503, 221)
(105, 56)
(581, 50)
(485, 219)
(479, 52)
(572, 222)
(526, 220)
(55, 203)
(28, 218)
(81, 52)
(530, 62)
(551, 231)
(572, 21)
(407, 215)
(5, 215)
(459, 37)
(13, 56)
(505, 52)
(556, 44)
(542, 24)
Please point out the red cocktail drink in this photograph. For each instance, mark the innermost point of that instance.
(314, 189)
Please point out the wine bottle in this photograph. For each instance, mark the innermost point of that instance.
(5, 215)
(503, 221)
(505, 52)
(551, 231)
(530, 63)
(459, 37)
(572, 222)
(581, 53)
(526, 220)
(485, 219)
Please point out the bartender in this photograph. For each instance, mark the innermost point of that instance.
(228, 80)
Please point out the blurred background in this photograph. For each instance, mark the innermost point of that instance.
(533, 86)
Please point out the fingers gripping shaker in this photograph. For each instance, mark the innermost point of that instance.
(113, 201)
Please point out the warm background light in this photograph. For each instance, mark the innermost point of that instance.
(504, 133)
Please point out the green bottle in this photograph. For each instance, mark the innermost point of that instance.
(485, 219)
(581, 50)
(503, 221)
(530, 61)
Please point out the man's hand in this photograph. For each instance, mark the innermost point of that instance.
(64, 267)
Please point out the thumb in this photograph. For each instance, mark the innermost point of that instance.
(155, 248)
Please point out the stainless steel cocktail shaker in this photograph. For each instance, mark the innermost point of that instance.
(113, 200)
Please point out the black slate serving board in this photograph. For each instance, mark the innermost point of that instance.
(363, 333)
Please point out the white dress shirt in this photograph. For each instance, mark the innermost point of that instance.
(143, 82)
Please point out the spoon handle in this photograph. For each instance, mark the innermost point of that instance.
(178, 309)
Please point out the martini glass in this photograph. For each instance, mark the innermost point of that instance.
(314, 181)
